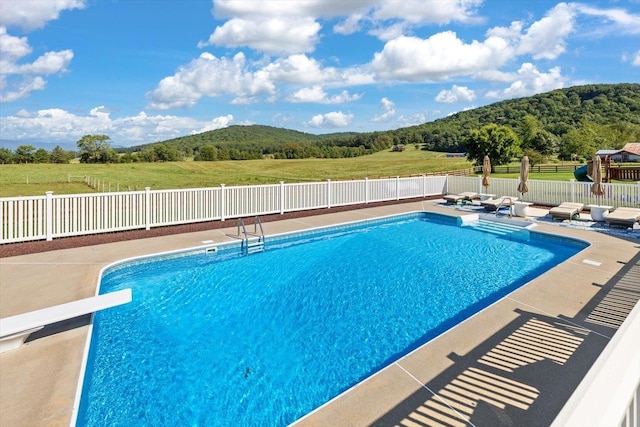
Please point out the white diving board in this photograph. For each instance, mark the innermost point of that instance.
(14, 330)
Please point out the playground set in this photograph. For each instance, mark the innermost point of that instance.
(618, 173)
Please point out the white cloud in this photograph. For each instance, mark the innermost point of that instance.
(33, 14)
(12, 91)
(456, 94)
(438, 58)
(247, 8)
(349, 26)
(12, 48)
(636, 59)
(300, 69)
(62, 126)
(318, 95)
(530, 81)
(216, 123)
(18, 80)
(209, 76)
(388, 109)
(334, 119)
(546, 38)
(616, 21)
(430, 12)
(272, 35)
(412, 120)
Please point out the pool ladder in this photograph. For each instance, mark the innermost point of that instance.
(253, 245)
(510, 206)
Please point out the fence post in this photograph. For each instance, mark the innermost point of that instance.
(223, 202)
(328, 193)
(366, 190)
(398, 187)
(637, 202)
(48, 211)
(424, 185)
(281, 197)
(147, 208)
(573, 189)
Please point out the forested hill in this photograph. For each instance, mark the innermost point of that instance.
(242, 142)
(615, 106)
(576, 120)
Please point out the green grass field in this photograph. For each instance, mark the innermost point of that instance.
(30, 179)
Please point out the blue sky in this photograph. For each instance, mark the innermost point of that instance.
(143, 71)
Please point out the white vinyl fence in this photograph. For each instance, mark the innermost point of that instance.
(550, 193)
(53, 216)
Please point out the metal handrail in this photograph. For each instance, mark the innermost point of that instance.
(258, 222)
(244, 230)
(510, 206)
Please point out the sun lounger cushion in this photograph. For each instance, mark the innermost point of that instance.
(623, 216)
(455, 198)
(566, 210)
(504, 201)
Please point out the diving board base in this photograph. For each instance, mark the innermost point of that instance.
(15, 330)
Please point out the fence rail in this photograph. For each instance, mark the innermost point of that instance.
(534, 169)
(551, 193)
(53, 216)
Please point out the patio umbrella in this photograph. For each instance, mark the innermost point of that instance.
(523, 187)
(597, 189)
(486, 171)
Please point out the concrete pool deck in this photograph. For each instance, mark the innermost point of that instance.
(515, 363)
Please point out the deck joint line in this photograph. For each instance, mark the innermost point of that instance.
(435, 395)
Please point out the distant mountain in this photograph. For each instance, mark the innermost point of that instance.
(12, 145)
(243, 135)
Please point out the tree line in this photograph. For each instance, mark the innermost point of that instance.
(29, 154)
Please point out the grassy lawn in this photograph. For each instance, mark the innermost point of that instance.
(28, 179)
(31, 180)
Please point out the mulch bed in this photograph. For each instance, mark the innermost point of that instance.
(15, 249)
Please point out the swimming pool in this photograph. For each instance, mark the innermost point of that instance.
(217, 338)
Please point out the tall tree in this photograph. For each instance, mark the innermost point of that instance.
(6, 156)
(24, 154)
(41, 156)
(500, 143)
(58, 155)
(95, 149)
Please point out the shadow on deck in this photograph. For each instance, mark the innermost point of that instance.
(525, 373)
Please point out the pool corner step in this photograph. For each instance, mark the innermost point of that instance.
(500, 228)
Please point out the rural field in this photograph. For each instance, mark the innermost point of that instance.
(36, 179)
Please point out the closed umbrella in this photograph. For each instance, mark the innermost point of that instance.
(486, 171)
(523, 187)
(597, 189)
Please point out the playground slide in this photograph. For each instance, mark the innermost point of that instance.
(581, 174)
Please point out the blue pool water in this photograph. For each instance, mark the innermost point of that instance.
(218, 339)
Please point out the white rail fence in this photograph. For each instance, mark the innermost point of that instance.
(550, 192)
(53, 216)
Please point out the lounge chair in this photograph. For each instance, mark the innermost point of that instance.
(462, 197)
(503, 201)
(566, 210)
(623, 217)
